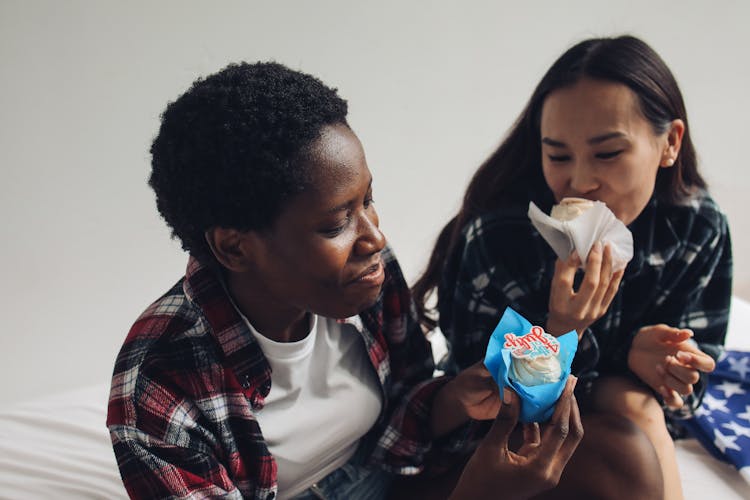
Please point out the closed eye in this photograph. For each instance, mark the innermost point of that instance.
(609, 155)
(558, 158)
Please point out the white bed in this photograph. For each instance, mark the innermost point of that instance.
(58, 447)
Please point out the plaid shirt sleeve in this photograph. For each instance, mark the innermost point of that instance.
(405, 445)
(153, 468)
(685, 281)
(163, 448)
(179, 422)
(699, 295)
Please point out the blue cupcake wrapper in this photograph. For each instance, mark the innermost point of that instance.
(537, 402)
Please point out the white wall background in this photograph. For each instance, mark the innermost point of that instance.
(432, 87)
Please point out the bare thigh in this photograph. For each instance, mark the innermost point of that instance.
(622, 396)
(615, 460)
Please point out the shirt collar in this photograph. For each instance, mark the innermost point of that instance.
(242, 353)
(203, 286)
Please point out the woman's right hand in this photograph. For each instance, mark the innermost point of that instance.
(495, 471)
(577, 310)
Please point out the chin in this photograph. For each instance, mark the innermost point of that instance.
(363, 303)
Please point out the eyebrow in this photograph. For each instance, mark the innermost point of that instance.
(346, 204)
(593, 141)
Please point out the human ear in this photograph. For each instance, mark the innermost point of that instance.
(674, 140)
(230, 247)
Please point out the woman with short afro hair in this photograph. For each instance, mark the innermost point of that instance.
(288, 361)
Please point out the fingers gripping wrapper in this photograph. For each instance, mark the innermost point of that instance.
(533, 363)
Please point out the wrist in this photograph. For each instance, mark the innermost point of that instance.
(556, 327)
(448, 411)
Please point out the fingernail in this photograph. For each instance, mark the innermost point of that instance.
(683, 356)
(574, 381)
(506, 396)
(659, 370)
(597, 246)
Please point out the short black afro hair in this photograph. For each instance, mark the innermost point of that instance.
(231, 150)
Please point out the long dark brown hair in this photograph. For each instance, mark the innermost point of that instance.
(516, 163)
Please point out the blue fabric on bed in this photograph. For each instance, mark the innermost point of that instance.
(722, 422)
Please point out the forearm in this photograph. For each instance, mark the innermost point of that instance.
(153, 468)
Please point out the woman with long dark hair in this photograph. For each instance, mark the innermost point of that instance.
(607, 123)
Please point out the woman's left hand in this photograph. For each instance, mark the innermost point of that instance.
(477, 392)
(665, 359)
(473, 394)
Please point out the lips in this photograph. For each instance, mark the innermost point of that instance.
(373, 274)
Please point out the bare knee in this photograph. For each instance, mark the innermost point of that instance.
(620, 396)
(614, 460)
(632, 456)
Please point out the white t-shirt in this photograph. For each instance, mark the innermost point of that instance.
(324, 397)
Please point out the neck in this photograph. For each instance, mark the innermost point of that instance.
(276, 321)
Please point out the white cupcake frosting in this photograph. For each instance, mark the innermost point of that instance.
(534, 357)
(536, 371)
(570, 208)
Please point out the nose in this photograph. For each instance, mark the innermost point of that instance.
(583, 178)
(370, 240)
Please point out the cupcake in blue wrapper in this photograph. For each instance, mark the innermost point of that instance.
(533, 363)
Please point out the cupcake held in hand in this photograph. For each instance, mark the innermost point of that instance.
(530, 361)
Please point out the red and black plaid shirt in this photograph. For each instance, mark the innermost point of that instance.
(190, 377)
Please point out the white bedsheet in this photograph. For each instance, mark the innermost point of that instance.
(58, 446)
(705, 478)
